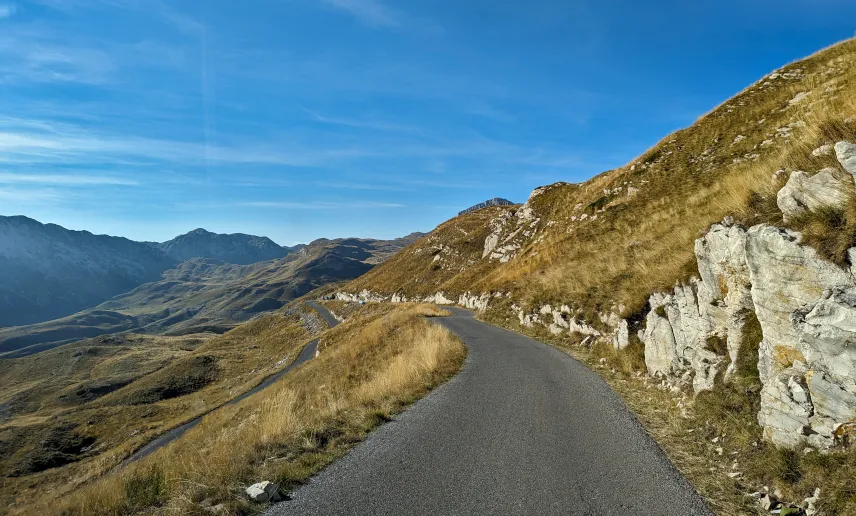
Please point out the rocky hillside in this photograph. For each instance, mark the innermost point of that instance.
(205, 295)
(722, 256)
(496, 201)
(47, 271)
(235, 248)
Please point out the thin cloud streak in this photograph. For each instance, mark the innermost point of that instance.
(64, 180)
(7, 11)
(369, 12)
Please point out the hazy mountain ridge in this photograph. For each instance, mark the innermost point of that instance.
(206, 295)
(47, 271)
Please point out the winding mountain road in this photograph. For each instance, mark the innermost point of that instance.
(522, 429)
(306, 353)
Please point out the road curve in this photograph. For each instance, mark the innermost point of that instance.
(522, 429)
(306, 353)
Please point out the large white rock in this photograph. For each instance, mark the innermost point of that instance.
(659, 339)
(474, 302)
(805, 306)
(785, 409)
(827, 334)
(785, 276)
(263, 492)
(803, 193)
(846, 154)
(621, 339)
(726, 296)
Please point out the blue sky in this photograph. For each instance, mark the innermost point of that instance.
(298, 119)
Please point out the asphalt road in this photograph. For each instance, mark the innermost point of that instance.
(306, 353)
(522, 429)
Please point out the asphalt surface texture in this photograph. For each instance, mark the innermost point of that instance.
(306, 353)
(522, 429)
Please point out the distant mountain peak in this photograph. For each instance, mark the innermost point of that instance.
(236, 248)
(496, 201)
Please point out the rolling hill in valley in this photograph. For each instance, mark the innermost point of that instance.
(201, 294)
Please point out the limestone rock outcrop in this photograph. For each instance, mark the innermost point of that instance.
(846, 154)
(804, 193)
(806, 308)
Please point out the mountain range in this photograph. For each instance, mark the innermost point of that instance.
(58, 285)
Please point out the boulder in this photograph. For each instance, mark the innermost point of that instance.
(658, 337)
(263, 492)
(621, 339)
(846, 154)
(803, 193)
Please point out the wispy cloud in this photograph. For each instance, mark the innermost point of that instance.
(7, 11)
(377, 125)
(26, 196)
(295, 205)
(64, 180)
(370, 12)
(321, 205)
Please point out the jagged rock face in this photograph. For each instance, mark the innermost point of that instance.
(804, 193)
(726, 297)
(676, 335)
(785, 276)
(806, 308)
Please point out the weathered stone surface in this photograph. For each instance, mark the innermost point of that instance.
(621, 339)
(785, 408)
(439, 298)
(785, 276)
(263, 492)
(726, 297)
(659, 340)
(823, 150)
(846, 154)
(474, 302)
(827, 331)
(803, 193)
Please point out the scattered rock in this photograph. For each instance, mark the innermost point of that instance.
(264, 492)
(823, 150)
(804, 193)
(767, 502)
(846, 154)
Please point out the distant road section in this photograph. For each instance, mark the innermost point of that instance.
(306, 354)
(523, 429)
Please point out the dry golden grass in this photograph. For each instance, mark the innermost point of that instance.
(369, 368)
(172, 380)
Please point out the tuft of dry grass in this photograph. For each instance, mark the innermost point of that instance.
(369, 368)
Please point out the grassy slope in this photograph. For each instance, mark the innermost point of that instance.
(689, 180)
(91, 403)
(369, 368)
(639, 243)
